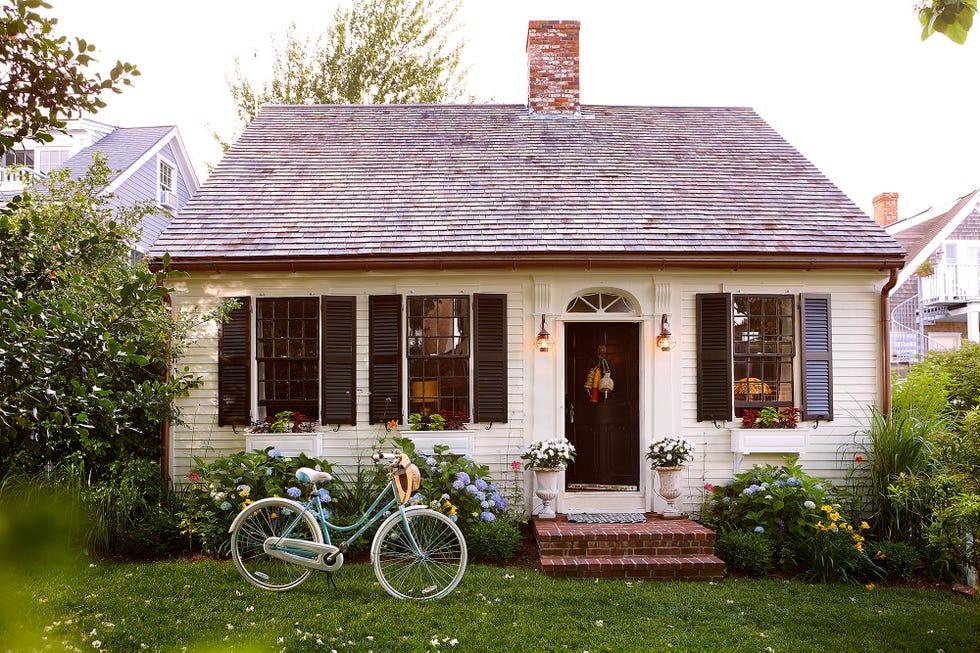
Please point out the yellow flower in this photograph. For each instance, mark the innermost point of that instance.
(864, 525)
(834, 516)
(274, 515)
(246, 503)
(827, 508)
(869, 586)
(244, 492)
(859, 547)
(880, 555)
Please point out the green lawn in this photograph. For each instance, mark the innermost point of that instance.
(207, 606)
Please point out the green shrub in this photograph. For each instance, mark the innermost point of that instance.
(139, 515)
(222, 488)
(898, 560)
(783, 501)
(893, 446)
(833, 551)
(128, 512)
(748, 552)
(495, 541)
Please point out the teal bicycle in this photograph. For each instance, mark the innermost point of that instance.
(417, 553)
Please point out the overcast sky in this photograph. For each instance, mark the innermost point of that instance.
(849, 84)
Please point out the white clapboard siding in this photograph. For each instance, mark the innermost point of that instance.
(535, 384)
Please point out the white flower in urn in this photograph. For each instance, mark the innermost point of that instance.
(670, 452)
(549, 454)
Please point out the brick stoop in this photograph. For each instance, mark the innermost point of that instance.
(657, 549)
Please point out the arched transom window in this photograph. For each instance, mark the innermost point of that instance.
(600, 302)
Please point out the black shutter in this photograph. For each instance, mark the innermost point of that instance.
(818, 386)
(234, 366)
(338, 322)
(385, 357)
(714, 328)
(489, 358)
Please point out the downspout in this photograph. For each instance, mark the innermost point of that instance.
(165, 432)
(886, 349)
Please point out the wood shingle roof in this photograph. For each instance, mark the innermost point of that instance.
(479, 184)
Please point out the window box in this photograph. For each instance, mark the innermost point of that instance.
(289, 444)
(457, 441)
(746, 441)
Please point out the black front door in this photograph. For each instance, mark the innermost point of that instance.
(604, 427)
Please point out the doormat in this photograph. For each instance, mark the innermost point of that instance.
(606, 517)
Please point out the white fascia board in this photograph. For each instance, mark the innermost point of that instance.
(912, 264)
(184, 163)
(149, 154)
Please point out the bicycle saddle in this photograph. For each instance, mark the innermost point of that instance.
(310, 475)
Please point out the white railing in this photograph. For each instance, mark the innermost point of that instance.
(17, 177)
(951, 283)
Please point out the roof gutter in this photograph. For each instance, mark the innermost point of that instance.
(515, 261)
(886, 353)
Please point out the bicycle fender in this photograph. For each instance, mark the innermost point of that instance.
(298, 507)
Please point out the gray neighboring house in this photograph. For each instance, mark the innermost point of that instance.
(936, 303)
(399, 260)
(148, 164)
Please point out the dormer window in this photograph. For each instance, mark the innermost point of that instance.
(168, 193)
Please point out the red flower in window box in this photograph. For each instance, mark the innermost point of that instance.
(455, 420)
(771, 417)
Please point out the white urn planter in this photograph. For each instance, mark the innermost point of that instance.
(546, 489)
(670, 489)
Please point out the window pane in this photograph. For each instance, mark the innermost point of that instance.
(287, 351)
(438, 354)
(763, 346)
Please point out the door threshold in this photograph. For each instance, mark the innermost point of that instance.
(605, 487)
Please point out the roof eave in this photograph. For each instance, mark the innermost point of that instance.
(580, 260)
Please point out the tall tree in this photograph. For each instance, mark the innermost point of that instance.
(374, 52)
(44, 80)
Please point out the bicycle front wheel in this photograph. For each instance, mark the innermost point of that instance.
(426, 565)
(266, 518)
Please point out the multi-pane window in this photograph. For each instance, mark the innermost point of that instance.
(287, 354)
(50, 158)
(438, 355)
(166, 177)
(19, 158)
(763, 347)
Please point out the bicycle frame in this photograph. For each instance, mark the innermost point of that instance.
(326, 556)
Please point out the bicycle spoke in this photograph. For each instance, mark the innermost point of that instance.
(429, 568)
(264, 519)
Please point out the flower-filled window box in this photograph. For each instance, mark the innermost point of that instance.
(291, 432)
(769, 430)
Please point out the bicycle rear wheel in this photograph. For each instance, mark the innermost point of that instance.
(430, 571)
(271, 518)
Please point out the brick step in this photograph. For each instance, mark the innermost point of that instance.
(698, 568)
(653, 538)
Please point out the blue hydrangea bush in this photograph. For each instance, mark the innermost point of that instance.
(219, 490)
(781, 502)
(456, 485)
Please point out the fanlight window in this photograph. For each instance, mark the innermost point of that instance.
(600, 302)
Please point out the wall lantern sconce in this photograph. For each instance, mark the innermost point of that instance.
(665, 341)
(544, 338)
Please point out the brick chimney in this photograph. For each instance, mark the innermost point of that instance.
(885, 208)
(552, 67)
